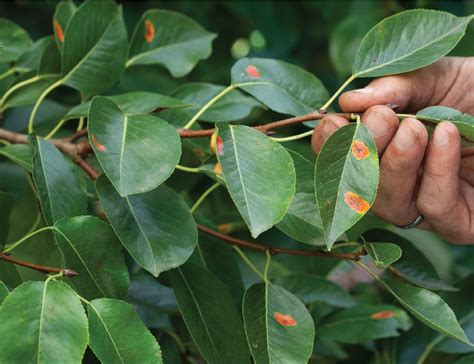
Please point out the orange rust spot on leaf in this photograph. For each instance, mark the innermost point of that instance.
(217, 145)
(359, 149)
(149, 31)
(59, 31)
(252, 71)
(99, 146)
(284, 320)
(356, 203)
(382, 315)
(218, 168)
(224, 228)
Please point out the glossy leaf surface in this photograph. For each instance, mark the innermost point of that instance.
(280, 86)
(137, 152)
(210, 315)
(346, 177)
(90, 248)
(279, 328)
(407, 41)
(170, 39)
(259, 175)
(117, 335)
(156, 227)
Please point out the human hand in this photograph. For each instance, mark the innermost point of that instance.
(434, 178)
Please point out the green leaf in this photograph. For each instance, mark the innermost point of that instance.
(414, 266)
(90, 248)
(137, 102)
(279, 328)
(156, 227)
(210, 315)
(383, 254)
(59, 192)
(6, 202)
(27, 95)
(14, 41)
(302, 221)
(364, 323)
(50, 63)
(31, 58)
(259, 175)
(4, 292)
(437, 114)
(232, 106)
(170, 39)
(62, 15)
(117, 335)
(137, 152)
(95, 47)
(310, 288)
(408, 40)
(347, 176)
(465, 360)
(427, 307)
(281, 86)
(21, 154)
(41, 322)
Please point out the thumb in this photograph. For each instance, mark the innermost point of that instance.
(398, 90)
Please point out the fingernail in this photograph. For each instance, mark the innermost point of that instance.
(366, 90)
(441, 136)
(377, 124)
(405, 137)
(328, 129)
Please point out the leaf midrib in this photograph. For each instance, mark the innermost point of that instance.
(199, 311)
(43, 299)
(108, 333)
(408, 54)
(122, 149)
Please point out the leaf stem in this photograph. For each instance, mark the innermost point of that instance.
(248, 262)
(18, 86)
(38, 103)
(203, 197)
(294, 137)
(336, 94)
(10, 247)
(55, 129)
(267, 266)
(7, 73)
(187, 169)
(208, 105)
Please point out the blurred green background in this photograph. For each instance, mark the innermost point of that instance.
(319, 36)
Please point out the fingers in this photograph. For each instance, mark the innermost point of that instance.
(382, 123)
(399, 167)
(396, 90)
(439, 198)
(328, 125)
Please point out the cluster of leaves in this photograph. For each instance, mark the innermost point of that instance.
(132, 240)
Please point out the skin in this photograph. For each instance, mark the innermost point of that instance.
(418, 175)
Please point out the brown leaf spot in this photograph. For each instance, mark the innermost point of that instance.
(252, 71)
(198, 152)
(100, 147)
(218, 168)
(284, 320)
(359, 149)
(217, 146)
(356, 203)
(149, 31)
(59, 31)
(382, 315)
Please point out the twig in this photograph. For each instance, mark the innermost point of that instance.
(39, 268)
(264, 248)
(315, 115)
(77, 152)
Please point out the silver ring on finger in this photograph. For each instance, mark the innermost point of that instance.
(419, 219)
